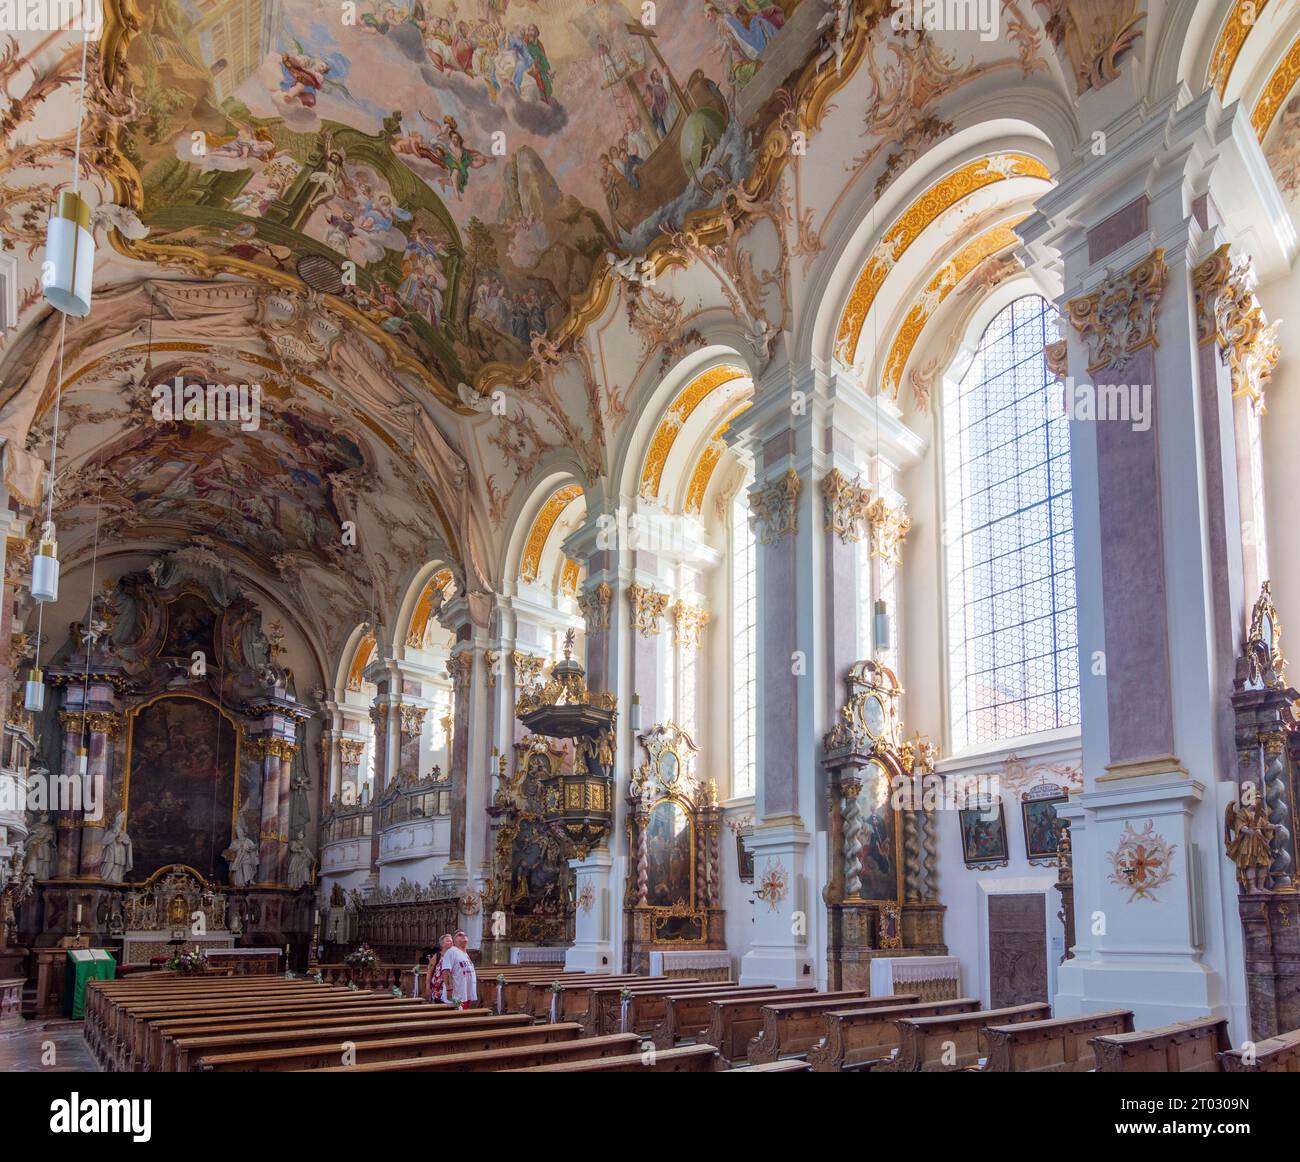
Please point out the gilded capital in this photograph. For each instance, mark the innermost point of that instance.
(1119, 317)
(412, 718)
(688, 624)
(1228, 313)
(648, 609)
(594, 606)
(775, 508)
(460, 667)
(890, 525)
(351, 750)
(846, 504)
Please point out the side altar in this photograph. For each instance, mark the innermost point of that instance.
(673, 898)
(882, 890)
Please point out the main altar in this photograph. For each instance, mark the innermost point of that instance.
(176, 739)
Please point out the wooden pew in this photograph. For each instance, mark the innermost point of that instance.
(795, 1026)
(644, 1008)
(860, 1037)
(121, 1037)
(952, 1042)
(1059, 1045)
(512, 997)
(785, 1065)
(388, 1047)
(1280, 1054)
(686, 1015)
(571, 1000)
(1183, 1047)
(130, 1049)
(509, 1058)
(684, 1059)
(734, 1021)
(161, 1052)
(103, 998)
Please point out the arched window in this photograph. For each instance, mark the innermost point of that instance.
(1012, 630)
(744, 647)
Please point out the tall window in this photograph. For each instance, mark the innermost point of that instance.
(744, 648)
(1012, 629)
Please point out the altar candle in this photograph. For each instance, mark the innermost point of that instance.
(78, 913)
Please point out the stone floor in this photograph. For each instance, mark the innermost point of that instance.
(45, 1047)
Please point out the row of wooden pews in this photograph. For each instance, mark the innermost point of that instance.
(537, 1018)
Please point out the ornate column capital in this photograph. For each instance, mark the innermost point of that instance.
(846, 504)
(775, 507)
(688, 624)
(890, 525)
(1056, 355)
(1228, 313)
(1119, 317)
(412, 718)
(96, 721)
(351, 750)
(594, 605)
(528, 669)
(648, 609)
(460, 667)
(269, 744)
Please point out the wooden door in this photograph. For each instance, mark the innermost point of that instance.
(1017, 949)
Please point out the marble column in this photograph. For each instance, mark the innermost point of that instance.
(1158, 538)
(379, 713)
(782, 513)
(649, 607)
(350, 753)
(412, 729)
(104, 729)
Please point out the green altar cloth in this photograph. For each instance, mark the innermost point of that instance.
(84, 964)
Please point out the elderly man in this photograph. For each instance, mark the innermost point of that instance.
(460, 981)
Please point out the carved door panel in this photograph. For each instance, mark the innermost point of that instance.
(1017, 949)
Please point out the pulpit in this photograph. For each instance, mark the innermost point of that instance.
(673, 896)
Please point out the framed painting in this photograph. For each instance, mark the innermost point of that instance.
(744, 859)
(670, 855)
(1038, 814)
(984, 833)
(880, 863)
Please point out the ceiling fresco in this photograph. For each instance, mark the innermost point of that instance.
(459, 174)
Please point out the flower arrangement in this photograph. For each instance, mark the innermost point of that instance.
(182, 961)
(362, 957)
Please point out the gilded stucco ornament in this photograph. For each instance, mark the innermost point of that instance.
(775, 508)
(1119, 317)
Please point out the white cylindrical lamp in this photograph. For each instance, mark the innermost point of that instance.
(69, 266)
(45, 571)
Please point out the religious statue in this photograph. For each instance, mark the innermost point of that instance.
(1247, 836)
(299, 803)
(337, 898)
(116, 859)
(301, 862)
(38, 862)
(605, 753)
(242, 857)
